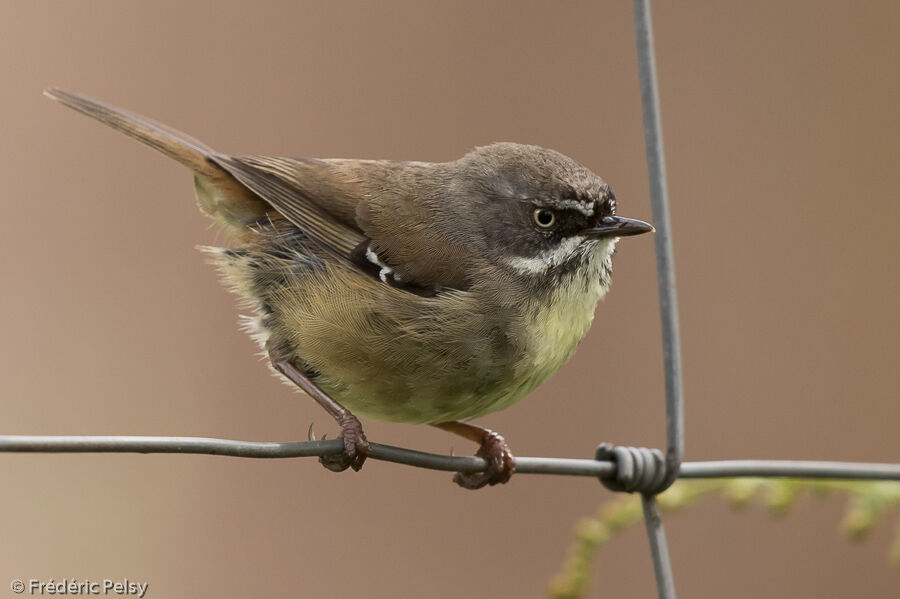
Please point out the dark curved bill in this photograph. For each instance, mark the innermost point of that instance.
(618, 226)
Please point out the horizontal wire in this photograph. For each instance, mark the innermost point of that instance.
(431, 461)
(790, 469)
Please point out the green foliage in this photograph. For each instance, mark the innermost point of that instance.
(869, 501)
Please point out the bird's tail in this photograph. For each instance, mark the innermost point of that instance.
(218, 193)
(174, 144)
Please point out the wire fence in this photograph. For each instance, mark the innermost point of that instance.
(628, 469)
(603, 469)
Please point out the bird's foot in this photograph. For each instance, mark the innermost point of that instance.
(356, 446)
(501, 463)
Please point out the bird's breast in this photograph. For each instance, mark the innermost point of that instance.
(558, 323)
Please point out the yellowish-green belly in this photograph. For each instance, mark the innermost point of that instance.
(437, 391)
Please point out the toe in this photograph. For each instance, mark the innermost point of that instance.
(472, 481)
(336, 462)
(501, 464)
(358, 451)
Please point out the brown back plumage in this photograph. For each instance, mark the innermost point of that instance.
(342, 206)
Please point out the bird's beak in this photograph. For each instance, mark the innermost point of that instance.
(618, 226)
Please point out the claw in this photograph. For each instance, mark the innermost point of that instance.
(356, 447)
(500, 464)
(310, 435)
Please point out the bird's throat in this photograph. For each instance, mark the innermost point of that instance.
(560, 319)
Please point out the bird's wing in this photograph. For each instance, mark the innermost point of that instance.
(357, 211)
(302, 192)
(406, 238)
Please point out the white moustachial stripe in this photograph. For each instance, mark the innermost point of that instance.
(548, 258)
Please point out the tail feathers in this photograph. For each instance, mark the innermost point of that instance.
(172, 143)
(219, 194)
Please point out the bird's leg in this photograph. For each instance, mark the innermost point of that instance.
(356, 446)
(493, 448)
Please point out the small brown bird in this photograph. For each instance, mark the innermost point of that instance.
(411, 292)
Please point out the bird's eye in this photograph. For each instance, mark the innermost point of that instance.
(544, 218)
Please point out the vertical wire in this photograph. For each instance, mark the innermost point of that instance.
(665, 267)
(668, 304)
(662, 567)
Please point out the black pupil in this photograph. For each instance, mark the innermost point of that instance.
(544, 217)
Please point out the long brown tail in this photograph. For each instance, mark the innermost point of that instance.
(219, 194)
(174, 144)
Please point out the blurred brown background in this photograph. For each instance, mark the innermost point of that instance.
(782, 131)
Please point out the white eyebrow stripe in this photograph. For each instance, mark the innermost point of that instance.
(584, 207)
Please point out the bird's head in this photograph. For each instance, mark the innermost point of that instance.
(541, 214)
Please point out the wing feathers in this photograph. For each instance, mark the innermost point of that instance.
(294, 204)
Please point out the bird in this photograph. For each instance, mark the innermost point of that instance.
(405, 291)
